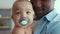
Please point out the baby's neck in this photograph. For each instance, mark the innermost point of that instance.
(24, 30)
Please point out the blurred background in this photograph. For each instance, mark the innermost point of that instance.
(5, 14)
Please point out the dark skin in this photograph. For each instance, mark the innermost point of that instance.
(42, 7)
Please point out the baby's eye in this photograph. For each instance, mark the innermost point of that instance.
(17, 13)
(28, 12)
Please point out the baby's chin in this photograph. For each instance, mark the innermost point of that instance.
(25, 26)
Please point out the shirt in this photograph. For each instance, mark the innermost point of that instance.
(49, 24)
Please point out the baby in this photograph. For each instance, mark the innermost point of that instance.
(22, 17)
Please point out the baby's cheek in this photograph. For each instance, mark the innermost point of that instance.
(30, 16)
(17, 16)
(15, 19)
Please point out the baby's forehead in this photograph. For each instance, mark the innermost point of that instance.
(23, 4)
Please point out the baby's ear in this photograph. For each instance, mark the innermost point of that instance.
(34, 15)
(33, 12)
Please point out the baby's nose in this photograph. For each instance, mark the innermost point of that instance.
(23, 15)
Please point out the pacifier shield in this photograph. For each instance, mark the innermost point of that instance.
(24, 22)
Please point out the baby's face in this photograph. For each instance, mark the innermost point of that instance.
(23, 14)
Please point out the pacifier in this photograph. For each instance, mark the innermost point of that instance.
(24, 21)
